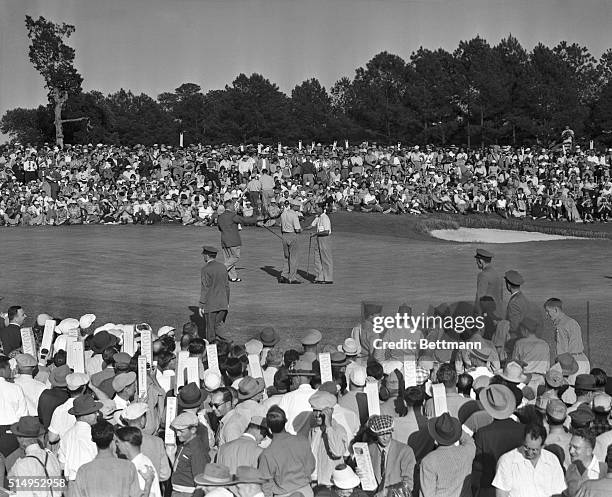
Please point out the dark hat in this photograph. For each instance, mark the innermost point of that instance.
(281, 379)
(483, 254)
(102, 340)
(582, 416)
(585, 382)
(83, 405)
(568, 364)
(249, 387)
(27, 427)
(122, 358)
(338, 359)
(209, 250)
(57, 378)
(269, 337)
(369, 308)
(514, 278)
(444, 429)
(191, 396)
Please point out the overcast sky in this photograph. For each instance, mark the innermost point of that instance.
(153, 46)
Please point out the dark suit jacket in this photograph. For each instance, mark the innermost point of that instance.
(10, 338)
(490, 283)
(492, 441)
(215, 287)
(228, 226)
(518, 309)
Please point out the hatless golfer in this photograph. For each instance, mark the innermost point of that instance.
(290, 229)
(324, 264)
(231, 242)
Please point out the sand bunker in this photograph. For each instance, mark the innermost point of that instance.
(483, 235)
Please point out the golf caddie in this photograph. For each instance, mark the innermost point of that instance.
(290, 230)
(214, 296)
(324, 264)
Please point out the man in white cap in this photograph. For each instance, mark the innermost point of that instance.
(32, 388)
(153, 447)
(62, 420)
(355, 399)
(191, 458)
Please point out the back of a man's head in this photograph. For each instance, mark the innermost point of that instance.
(447, 375)
(102, 434)
(130, 434)
(276, 419)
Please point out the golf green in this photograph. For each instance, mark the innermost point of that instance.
(131, 274)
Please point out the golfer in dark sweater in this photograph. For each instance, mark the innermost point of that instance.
(230, 237)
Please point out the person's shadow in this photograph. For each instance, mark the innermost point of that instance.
(272, 271)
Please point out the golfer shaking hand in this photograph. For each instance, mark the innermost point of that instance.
(324, 264)
(290, 229)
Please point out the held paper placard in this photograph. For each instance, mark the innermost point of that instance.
(181, 364)
(75, 357)
(326, 369)
(169, 437)
(439, 398)
(27, 341)
(145, 345)
(45, 347)
(371, 390)
(193, 371)
(254, 366)
(128, 340)
(142, 376)
(213, 358)
(364, 463)
(410, 373)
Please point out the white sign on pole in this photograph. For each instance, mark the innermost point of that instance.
(145, 345)
(193, 370)
(254, 366)
(259, 146)
(364, 463)
(212, 357)
(169, 437)
(280, 148)
(45, 348)
(371, 390)
(439, 398)
(410, 379)
(345, 143)
(27, 341)
(300, 145)
(326, 369)
(591, 145)
(335, 145)
(128, 340)
(75, 357)
(181, 139)
(142, 376)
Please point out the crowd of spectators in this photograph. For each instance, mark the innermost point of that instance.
(261, 419)
(92, 184)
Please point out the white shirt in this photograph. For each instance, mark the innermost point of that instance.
(30, 468)
(322, 223)
(142, 462)
(520, 478)
(61, 421)
(31, 389)
(294, 403)
(164, 378)
(13, 404)
(76, 448)
(601, 445)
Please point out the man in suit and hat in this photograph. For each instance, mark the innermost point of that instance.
(290, 230)
(215, 294)
(38, 462)
(393, 462)
(489, 282)
(447, 470)
(214, 481)
(518, 306)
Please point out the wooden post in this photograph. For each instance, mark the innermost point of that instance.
(588, 330)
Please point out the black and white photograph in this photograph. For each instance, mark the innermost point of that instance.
(305, 248)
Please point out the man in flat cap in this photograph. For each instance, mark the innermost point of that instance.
(290, 230)
(215, 294)
(489, 282)
(518, 305)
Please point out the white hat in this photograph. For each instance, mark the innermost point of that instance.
(345, 478)
(60, 343)
(76, 380)
(66, 325)
(390, 366)
(165, 330)
(105, 327)
(358, 376)
(42, 319)
(134, 410)
(212, 380)
(86, 320)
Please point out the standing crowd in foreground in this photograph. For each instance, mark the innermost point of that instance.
(108, 184)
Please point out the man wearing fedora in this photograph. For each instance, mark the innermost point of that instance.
(214, 296)
(62, 421)
(191, 398)
(518, 305)
(447, 470)
(245, 450)
(38, 462)
(55, 396)
(499, 437)
(76, 446)
(489, 282)
(214, 481)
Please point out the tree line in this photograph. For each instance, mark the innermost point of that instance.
(476, 95)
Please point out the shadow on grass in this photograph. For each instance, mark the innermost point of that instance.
(272, 271)
(306, 276)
